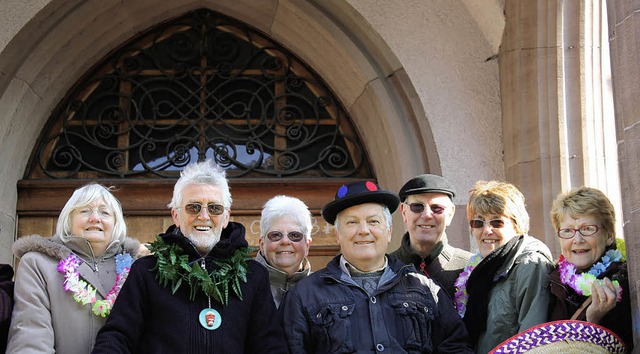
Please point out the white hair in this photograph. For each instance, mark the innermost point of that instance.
(83, 196)
(283, 205)
(207, 173)
(385, 211)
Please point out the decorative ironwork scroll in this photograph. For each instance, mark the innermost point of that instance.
(200, 86)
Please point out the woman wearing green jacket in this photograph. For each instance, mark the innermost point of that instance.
(504, 288)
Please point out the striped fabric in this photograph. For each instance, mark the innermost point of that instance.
(565, 336)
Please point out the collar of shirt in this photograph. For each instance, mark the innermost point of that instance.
(347, 267)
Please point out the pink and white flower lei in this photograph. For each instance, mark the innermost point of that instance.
(462, 296)
(581, 283)
(83, 292)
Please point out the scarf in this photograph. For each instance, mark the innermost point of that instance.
(481, 281)
(432, 256)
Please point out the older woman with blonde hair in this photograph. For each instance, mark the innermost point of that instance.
(66, 286)
(504, 288)
(590, 282)
(285, 237)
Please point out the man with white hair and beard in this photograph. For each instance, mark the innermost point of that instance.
(199, 292)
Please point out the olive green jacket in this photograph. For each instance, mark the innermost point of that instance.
(520, 298)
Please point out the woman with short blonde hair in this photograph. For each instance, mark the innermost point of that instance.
(503, 289)
(590, 282)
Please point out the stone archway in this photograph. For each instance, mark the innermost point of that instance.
(39, 70)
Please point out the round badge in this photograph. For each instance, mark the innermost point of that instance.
(371, 186)
(210, 319)
(342, 191)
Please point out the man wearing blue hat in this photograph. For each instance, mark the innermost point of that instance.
(427, 209)
(364, 301)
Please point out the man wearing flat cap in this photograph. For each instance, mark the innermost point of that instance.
(364, 301)
(427, 209)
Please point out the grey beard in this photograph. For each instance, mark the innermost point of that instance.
(205, 244)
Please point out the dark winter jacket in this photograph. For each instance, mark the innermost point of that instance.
(6, 303)
(149, 318)
(327, 312)
(565, 302)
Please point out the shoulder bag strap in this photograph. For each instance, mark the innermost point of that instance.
(584, 305)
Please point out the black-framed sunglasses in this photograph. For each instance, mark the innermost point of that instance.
(418, 208)
(478, 224)
(196, 208)
(293, 236)
(585, 230)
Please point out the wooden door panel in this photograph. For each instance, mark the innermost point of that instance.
(36, 225)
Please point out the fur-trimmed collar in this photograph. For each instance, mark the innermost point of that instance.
(56, 249)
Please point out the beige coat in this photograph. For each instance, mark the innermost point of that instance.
(46, 318)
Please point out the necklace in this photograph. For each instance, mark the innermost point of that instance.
(581, 283)
(83, 292)
(174, 269)
(209, 317)
(461, 297)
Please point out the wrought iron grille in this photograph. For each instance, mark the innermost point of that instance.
(202, 86)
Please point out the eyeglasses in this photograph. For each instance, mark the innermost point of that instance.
(196, 208)
(586, 230)
(478, 224)
(418, 208)
(293, 236)
(103, 213)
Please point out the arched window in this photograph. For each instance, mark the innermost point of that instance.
(200, 86)
(196, 87)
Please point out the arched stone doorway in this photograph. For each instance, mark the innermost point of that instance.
(200, 86)
(55, 42)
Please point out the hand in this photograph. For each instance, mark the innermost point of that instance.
(603, 300)
(143, 250)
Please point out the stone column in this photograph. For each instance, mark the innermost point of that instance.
(557, 112)
(624, 27)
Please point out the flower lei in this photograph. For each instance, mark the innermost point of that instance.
(83, 292)
(581, 283)
(174, 269)
(462, 296)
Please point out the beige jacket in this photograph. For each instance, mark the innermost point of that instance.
(46, 318)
